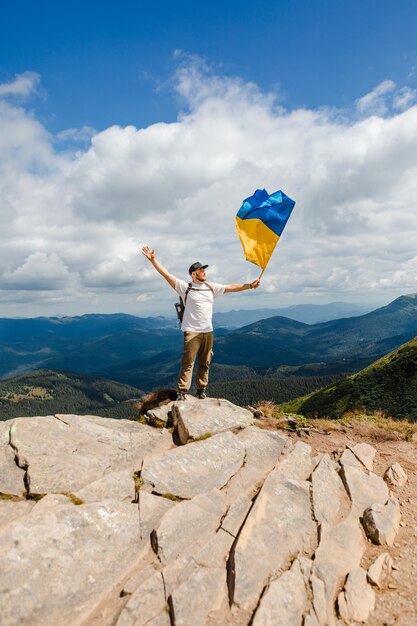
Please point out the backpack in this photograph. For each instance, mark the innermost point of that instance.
(180, 305)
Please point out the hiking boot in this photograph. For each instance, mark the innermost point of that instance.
(181, 396)
(201, 394)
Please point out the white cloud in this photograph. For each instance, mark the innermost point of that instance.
(386, 98)
(83, 134)
(375, 102)
(73, 225)
(22, 85)
(39, 272)
(404, 98)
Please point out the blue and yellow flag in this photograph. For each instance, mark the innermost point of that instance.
(260, 222)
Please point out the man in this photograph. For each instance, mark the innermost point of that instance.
(197, 324)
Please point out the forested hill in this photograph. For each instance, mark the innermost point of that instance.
(47, 392)
(389, 385)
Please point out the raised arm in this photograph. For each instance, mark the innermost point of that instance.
(150, 255)
(243, 287)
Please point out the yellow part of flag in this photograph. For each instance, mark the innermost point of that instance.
(258, 240)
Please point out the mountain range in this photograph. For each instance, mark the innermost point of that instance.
(307, 313)
(144, 352)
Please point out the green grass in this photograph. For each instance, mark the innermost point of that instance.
(388, 385)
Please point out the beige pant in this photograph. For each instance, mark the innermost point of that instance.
(195, 344)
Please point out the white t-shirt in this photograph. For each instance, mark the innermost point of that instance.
(199, 305)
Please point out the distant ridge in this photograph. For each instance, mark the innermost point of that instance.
(389, 385)
(306, 313)
(278, 340)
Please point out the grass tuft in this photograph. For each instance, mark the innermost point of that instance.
(201, 438)
(11, 497)
(74, 499)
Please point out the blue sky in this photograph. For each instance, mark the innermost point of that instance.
(105, 63)
(131, 123)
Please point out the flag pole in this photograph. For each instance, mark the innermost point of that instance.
(260, 275)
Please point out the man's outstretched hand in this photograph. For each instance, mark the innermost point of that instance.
(150, 254)
(255, 283)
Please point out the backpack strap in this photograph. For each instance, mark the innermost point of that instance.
(186, 293)
(191, 288)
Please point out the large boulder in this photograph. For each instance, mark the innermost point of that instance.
(363, 488)
(285, 601)
(59, 560)
(382, 521)
(395, 476)
(195, 418)
(67, 452)
(357, 599)
(196, 468)
(278, 526)
(328, 492)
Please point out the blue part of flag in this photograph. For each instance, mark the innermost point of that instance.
(272, 209)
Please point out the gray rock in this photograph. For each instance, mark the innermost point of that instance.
(285, 600)
(263, 450)
(306, 565)
(67, 452)
(150, 509)
(357, 599)
(195, 537)
(113, 486)
(382, 521)
(365, 453)
(129, 437)
(137, 578)
(161, 414)
(348, 458)
(146, 603)
(297, 465)
(278, 526)
(84, 551)
(160, 620)
(380, 569)
(195, 418)
(92, 551)
(395, 476)
(235, 515)
(10, 511)
(186, 528)
(11, 476)
(51, 501)
(310, 619)
(215, 551)
(200, 594)
(364, 489)
(328, 492)
(320, 600)
(196, 468)
(340, 549)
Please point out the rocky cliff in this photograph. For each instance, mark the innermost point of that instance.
(113, 522)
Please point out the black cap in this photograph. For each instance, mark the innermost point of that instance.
(196, 266)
